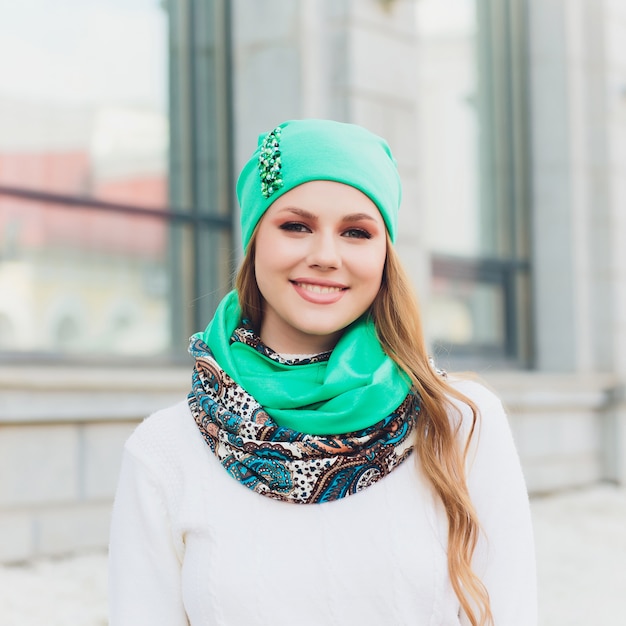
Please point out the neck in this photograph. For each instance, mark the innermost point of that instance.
(295, 343)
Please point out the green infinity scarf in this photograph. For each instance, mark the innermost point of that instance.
(356, 387)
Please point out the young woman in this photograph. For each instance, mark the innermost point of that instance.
(321, 470)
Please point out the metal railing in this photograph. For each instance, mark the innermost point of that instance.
(68, 201)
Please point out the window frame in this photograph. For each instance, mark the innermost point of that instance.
(200, 68)
(504, 175)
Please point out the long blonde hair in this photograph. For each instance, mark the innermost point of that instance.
(396, 315)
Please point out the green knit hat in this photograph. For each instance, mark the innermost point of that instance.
(300, 151)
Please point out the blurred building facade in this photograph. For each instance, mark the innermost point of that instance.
(122, 127)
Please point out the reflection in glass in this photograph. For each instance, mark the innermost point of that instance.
(84, 114)
(84, 111)
(448, 145)
(82, 281)
(474, 176)
(465, 312)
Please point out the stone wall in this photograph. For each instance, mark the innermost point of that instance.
(578, 112)
(62, 432)
(560, 424)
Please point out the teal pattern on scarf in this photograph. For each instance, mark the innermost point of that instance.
(283, 463)
(355, 387)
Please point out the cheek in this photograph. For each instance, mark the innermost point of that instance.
(267, 254)
(271, 266)
(370, 266)
(263, 271)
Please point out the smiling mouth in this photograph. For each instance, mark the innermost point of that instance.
(319, 288)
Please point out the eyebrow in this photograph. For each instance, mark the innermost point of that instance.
(351, 217)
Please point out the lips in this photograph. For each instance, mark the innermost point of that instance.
(319, 288)
(319, 292)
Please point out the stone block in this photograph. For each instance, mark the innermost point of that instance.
(38, 464)
(615, 37)
(558, 435)
(550, 474)
(381, 64)
(614, 439)
(617, 125)
(258, 23)
(268, 83)
(546, 29)
(615, 10)
(399, 129)
(62, 530)
(16, 536)
(101, 454)
(550, 128)
(397, 16)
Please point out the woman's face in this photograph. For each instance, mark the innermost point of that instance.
(320, 253)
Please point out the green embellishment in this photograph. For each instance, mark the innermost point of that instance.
(269, 163)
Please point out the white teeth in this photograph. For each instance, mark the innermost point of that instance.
(318, 288)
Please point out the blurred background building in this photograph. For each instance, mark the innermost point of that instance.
(123, 124)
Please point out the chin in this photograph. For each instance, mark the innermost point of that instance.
(319, 332)
(325, 331)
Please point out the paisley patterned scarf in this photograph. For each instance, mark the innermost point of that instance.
(283, 463)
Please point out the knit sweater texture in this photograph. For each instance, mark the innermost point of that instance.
(190, 546)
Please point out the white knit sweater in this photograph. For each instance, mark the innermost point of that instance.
(191, 546)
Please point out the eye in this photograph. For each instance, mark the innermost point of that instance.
(357, 233)
(295, 227)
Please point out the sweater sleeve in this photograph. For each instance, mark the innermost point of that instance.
(144, 560)
(505, 555)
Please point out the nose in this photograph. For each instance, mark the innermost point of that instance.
(324, 251)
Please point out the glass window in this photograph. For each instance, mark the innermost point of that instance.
(79, 280)
(449, 124)
(84, 98)
(473, 164)
(94, 261)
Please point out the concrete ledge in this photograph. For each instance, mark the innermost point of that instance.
(53, 531)
(49, 406)
(61, 394)
(558, 422)
(16, 536)
(528, 390)
(62, 432)
(93, 378)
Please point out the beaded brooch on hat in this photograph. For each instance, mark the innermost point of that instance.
(438, 371)
(269, 163)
